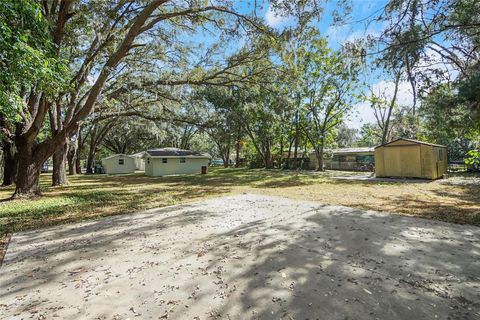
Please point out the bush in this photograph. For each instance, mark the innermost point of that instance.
(473, 160)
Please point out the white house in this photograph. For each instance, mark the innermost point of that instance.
(118, 163)
(169, 161)
(139, 161)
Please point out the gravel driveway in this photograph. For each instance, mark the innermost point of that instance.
(245, 257)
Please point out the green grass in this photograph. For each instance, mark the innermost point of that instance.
(93, 196)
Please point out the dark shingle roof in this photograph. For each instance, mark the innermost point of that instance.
(174, 152)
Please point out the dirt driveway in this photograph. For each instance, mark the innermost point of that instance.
(245, 257)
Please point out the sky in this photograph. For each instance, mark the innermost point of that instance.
(338, 35)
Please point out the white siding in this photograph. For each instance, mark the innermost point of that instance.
(112, 166)
(149, 166)
(139, 164)
(155, 167)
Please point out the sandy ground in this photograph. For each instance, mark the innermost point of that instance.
(245, 257)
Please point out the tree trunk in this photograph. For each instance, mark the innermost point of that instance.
(73, 152)
(296, 142)
(390, 108)
(91, 151)
(237, 149)
(268, 157)
(226, 158)
(59, 175)
(319, 154)
(91, 156)
(28, 173)
(269, 162)
(237, 154)
(9, 164)
(78, 164)
(72, 160)
(72, 155)
(80, 144)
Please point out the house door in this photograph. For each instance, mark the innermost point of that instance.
(204, 169)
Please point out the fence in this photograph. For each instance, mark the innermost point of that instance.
(457, 166)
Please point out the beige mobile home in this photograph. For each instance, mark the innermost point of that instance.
(118, 163)
(349, 159)
(171, 161)
(410, 158)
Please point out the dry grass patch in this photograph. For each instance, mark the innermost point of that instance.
(92, 196)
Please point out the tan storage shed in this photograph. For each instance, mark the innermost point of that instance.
(118, 164)
(410, 158)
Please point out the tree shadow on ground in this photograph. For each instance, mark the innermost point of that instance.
(87, 202)
(340, 263)
(90, 196)
(257, 260)
(461, 205)
(86, 242)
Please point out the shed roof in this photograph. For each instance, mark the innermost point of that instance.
(413, 141)
(175, 153)
(117, 155)
(139, 154)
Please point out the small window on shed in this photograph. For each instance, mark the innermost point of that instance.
(148, 160)
(164, 160)
(182, 160)
(121, 162)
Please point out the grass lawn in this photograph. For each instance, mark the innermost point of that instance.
(92, 196)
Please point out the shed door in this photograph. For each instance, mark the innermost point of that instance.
(402, 161)
(391, 159)
(410, 161)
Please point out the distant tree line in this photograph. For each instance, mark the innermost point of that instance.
(83, 79)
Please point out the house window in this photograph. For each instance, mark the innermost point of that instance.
(164, 160)
(121, 161)
(148, 160)
(339, 158)
(182, 160)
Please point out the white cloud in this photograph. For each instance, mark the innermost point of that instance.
(335, 34)
(342, 34)
(363, 113)
(361, 35)
(273, 18)
(387, 89)
(434, 60)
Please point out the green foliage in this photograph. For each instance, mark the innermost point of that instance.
(330, 89)
(469, 94)
(370, 135)
(473, 158)
(345, 137)
(446, 120)
(27, 55)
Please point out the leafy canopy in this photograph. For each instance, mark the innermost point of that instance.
(27, 55)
